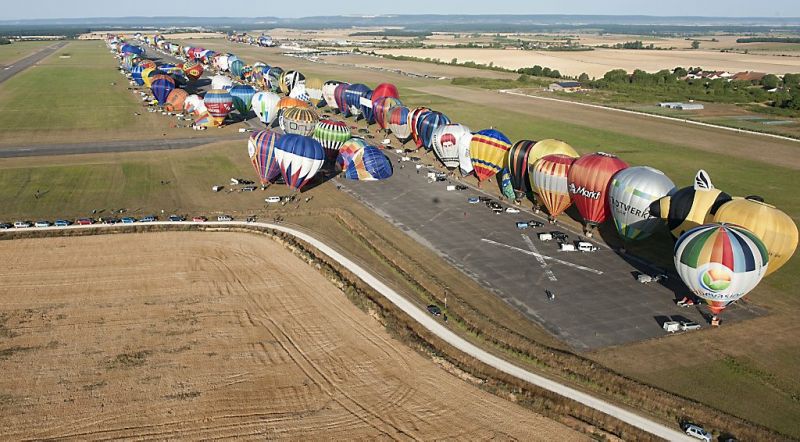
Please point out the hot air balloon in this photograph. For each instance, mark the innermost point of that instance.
(162, 85)
(204, 120)
(385, 90)
(242, 95)
(588, 186)
(448, 140)
(193, 70)
(414, 118)
(136, 74)
(221, 61)
(340, 99)
(428, 123)
(314, 90)
(300, 158)
(488, 149)
(368, 164)
(517, 165)
(131, 49)
(353, 95)
(300, 93)
(505, 184)
(366, 108)
(175, 100)
(348, 150)
(331, 135)
(772, 226)
(328, 90)
(147, 64)
(630, 194)
(146, 75)
(690, 206)
(265, 106)
(219, 104)
(287, 102)
(221, 82)
(261, 148)
(290, 80)
(236, 66)
(381, 108)
(194, 105)
(397, 121)
(297, 120)
(720, 263)
(274, 76)
(548, 178)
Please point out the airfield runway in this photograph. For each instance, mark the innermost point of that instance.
(598, 301)
(9, 71)
(111, 146)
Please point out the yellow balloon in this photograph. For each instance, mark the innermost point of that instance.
(146, 76)
(550, 147)
(773, 227)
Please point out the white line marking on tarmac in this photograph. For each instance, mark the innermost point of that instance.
(547, 270)
(528, 252)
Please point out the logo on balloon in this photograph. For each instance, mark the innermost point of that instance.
(715, 277)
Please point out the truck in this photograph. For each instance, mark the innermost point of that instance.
(566, 247)
(544, 236)
(671, 326)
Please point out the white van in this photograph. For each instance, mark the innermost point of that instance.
(273, 199)
(566, 247)
(584, 246)
(545, 236)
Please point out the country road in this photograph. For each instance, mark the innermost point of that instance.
(430, 323)
(18, 66)
(111, 146)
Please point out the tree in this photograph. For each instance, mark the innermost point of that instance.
(524, 78)
(770, 81)
(536, 71)
(555, 74)
(546, 72)
(454, 61)
(680, 72)
(616, 76)
(791, 80)
(584, 77)
(695, 44)
(4, 41)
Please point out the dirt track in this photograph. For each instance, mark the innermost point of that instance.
(742, 145)
(192, 335)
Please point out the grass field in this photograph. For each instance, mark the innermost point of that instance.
(75, 99)
(15, 51)
(731, 368)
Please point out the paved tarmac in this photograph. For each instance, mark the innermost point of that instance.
(598, 301)
(8, 71)
(111, 146)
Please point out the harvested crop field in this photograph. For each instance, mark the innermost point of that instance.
(211, 335)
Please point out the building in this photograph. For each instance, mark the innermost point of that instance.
(748, 76)
(681, 106)
(565, 86)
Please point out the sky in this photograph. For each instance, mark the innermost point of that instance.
(28, 9)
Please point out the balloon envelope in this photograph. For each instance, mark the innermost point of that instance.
(772, 226)
(488, 150)
(517, 165)
(221, 82)
(340, 99)
(175, 100)
(331, 135)
(368, 164)
(219, 104)
(630, 193)
(720, 263)
(541, 148)
(690, 206)
(588, 185)
(261, 149)
(297, 120)
(162, 85)
(385, 90)
(328, 89)
(448, 141)
(265, 106)
(397, 121)
(549, 181)
(193, 70)
(428, 124)
(299, 158)
(242, 95)
(381, 108)
(314, 90)
(353, 96)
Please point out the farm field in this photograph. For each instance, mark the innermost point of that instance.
(598, 62)
(80, 98)
(13, 52)
(235, 338)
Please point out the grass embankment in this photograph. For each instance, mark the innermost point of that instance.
(16, 51)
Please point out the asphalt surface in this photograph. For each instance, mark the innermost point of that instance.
(111, 146)
(437, 328)
(598, 302)
(18, 66)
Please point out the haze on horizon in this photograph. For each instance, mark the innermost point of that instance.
(54, 9)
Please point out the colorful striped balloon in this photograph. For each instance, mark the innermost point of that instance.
(381, 108)
(219, 104)
(287, 102)
(488, 150)
(339, 98)
(368, 164)
(242, 95)
(300, 158)
(517, 165)
(265, 106)
(314, 90)
(331, 135)
(193, 70)
(720, 263)
(161, 85)
(348, 151)
(549, 181)
(353, 95)
(299, 121)
(261, 149)
(588, 185)
(414, 118)
(397, 122)
(428, 124)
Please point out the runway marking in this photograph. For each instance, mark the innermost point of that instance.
(550, 258)
(547, 270)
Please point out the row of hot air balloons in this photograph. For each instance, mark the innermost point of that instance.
(724, 245)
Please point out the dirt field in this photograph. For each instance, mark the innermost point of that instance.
(598, 62)
(210, 335)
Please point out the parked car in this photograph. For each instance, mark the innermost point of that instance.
(224, 218)
(42, 223)
(566, 247)
(495, 205)
(5, 226)
(461, 187)
(512, 210)
(199, 219)
(176, 218)
(248, 188)
(697, 432)
(522, 225)
(544, 236)
(21, 224)
(685, 302)
(148, 219)
(128, 220)
(534, 223)
(473, 200)
(561, 236)
(689, 325)
(61, 223)
(484, 199)
(110, 221)
(584, 246)
(273, 199)
(84, 221)
(435, 310)
(671, 326)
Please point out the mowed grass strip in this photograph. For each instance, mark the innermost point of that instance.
(19, 50)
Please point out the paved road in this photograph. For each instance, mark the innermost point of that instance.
(434, 326)
(598, 301)
(111, 146)
(9, 71)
